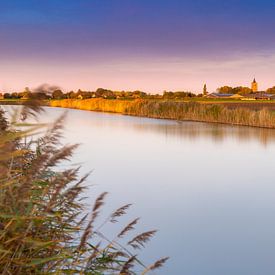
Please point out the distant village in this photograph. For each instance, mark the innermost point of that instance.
(242, 93)
(47, 92)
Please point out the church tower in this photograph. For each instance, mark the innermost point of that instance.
(254, 86)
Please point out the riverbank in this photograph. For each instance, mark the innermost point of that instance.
(182, 111)
(254, 114)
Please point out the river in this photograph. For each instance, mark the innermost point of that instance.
(208, 188)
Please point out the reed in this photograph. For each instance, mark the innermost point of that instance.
(42, 226)
(192, 111)
(96, 104)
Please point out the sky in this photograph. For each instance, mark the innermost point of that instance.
(149, 45)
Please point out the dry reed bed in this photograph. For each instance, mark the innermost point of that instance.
(191, 111)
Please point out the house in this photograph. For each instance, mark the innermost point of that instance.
(224, 96)
(218, 95)
(259, 96)
(236, 96)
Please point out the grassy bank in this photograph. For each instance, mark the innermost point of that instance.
(22, 102)
(192, 111)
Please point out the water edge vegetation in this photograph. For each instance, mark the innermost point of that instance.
(44, 228)
(177, 110)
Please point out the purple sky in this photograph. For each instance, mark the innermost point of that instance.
(151, 45)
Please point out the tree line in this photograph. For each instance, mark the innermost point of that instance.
(241, 90)
(99, 93)
(109, 94)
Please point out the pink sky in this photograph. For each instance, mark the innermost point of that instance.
(150, 74)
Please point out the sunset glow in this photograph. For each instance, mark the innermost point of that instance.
(127, 45)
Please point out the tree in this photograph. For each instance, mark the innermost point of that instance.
(40, 96)
(236, 90)
(72, 95)
(241, 90)
(139, 94)
(99, 92)
(7, 95)
(180, 95)
(27, 90)
(26, 94)
(271, 90)
(205, 90)
(168, 95)
(83, 94)
(14, 95)
(57, 94)
(105, 93)
(225, 90)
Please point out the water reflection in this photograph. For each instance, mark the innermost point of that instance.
(217, 132)
(170, 129)
(175, 129)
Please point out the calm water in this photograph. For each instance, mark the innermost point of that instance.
(209, 189)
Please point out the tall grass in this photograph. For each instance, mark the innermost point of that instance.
(192, 111)
(42, 226)
(96, 104)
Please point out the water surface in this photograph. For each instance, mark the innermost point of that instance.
(208, 188)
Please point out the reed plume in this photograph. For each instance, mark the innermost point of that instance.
(44, 225)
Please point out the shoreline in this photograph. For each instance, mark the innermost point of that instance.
(215, 113)
(169, 119)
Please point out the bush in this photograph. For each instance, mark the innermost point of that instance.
(41, 209)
